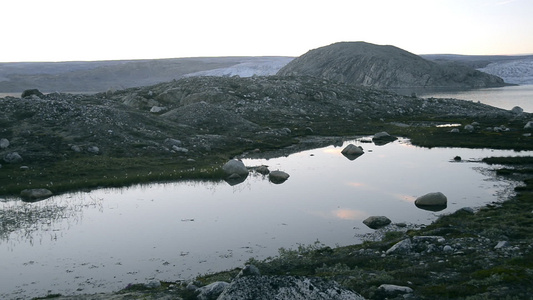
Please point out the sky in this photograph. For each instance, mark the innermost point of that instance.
(71, 30)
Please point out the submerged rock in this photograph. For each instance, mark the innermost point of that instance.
(382, 138)
(376, 222)
(35, 194)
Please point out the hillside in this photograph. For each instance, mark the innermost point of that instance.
(385, 67)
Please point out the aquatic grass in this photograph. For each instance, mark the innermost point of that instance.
(103, 171)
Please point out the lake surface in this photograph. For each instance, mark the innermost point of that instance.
(503, 97)
(105, 239)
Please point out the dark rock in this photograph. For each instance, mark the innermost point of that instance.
(278, 177)
(262, 170)
(352, 151)
(286, 287)
(432, 201)
(31, 92)
(382, 138)
(376, 222)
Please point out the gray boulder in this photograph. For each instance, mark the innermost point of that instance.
(529, 125)
(235, 166)
(437, 198)
(249, 270)
(391, 290)
(352, 151)
(432, 201)
(469, 128)
(211, 291)
(35, 194)
(278, 177)
(93, 149)
(75, 148)
(4, 143)
(403, 246)
(376, 222)
(286, 287)
(517, 110)
(12, 158)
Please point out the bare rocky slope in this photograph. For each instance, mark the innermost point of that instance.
(385, 67)
(208, 113)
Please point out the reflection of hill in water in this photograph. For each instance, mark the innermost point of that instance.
(28, 222)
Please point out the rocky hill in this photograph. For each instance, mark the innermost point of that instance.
(384, 67)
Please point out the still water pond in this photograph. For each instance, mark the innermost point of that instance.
(105, 239)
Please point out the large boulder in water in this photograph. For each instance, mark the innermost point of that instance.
(352, 151)
(376, 222)
(235, 166)
(432, 201)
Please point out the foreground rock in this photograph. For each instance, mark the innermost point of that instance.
(286, 287)
(35, 194)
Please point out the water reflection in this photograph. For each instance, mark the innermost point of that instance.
(105, 239)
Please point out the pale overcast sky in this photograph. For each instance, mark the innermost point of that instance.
(65, 30)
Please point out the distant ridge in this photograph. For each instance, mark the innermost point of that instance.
(379, 66)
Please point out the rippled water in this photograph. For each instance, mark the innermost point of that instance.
(105, 239)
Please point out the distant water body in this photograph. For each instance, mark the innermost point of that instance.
(503, 97)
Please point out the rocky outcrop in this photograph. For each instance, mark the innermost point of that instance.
(379, 66)
(286, 287)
